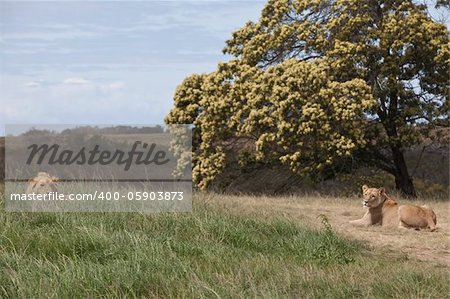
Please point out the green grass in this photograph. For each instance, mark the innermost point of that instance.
(209, 253)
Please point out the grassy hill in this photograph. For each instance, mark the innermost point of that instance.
(215, 252)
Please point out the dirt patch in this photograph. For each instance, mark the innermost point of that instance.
(422, 245)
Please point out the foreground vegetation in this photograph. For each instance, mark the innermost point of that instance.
(212, 252)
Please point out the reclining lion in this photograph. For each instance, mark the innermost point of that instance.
(385, 211)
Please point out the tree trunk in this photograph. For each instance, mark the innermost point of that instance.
(403, 181)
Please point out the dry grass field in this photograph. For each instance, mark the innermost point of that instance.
(421, 245)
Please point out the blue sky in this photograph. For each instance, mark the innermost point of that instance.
(104, 62)
(107, 62)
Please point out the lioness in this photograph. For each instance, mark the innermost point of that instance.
(385, 211)
(43, 183)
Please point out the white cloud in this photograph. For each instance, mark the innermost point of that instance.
(33, 84)
(117, 85)
(74, 33)
(199, 52)
(76, 81)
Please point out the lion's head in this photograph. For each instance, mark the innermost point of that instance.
(373, 197)
(43, 183)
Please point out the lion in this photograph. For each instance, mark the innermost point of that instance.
(385, 211)
(43, 183)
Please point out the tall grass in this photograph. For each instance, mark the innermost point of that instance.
(210, 253)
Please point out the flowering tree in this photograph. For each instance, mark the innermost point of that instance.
(313, 81)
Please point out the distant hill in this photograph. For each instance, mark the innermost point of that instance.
(87, 130)
(427, 162)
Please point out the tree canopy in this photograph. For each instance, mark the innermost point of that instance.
(313, 81)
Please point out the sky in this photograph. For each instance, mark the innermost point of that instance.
(104, 62)
(107, 62)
